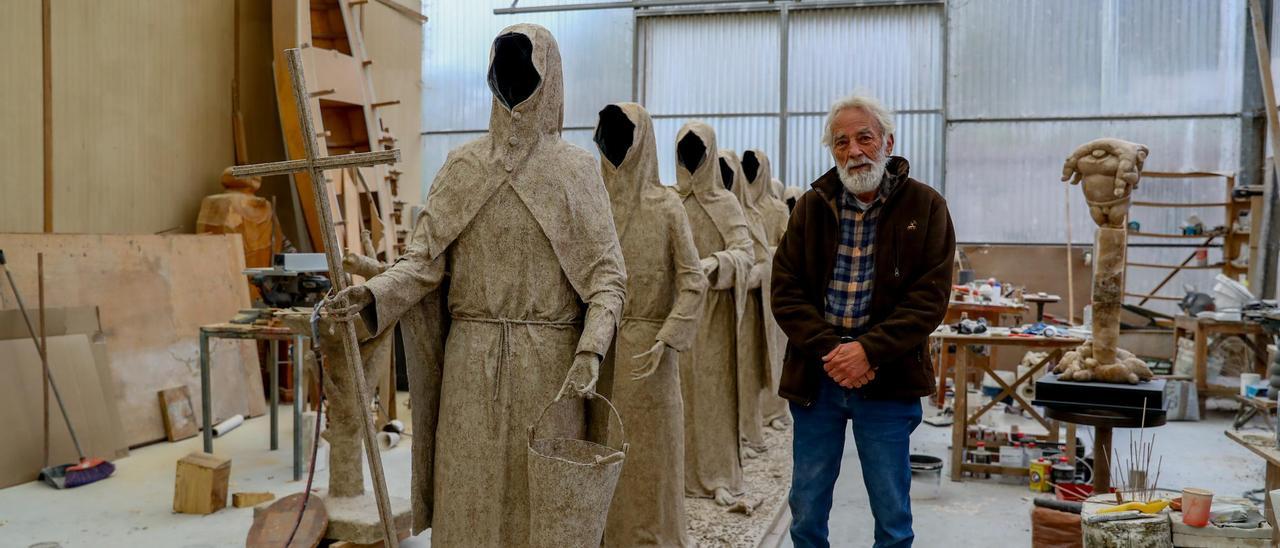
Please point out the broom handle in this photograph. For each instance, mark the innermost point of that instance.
(44, 360)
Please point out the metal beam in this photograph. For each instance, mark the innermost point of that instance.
(784, 51)
(633, 4)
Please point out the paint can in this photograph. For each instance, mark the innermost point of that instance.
(926, 477)
(1040, 473)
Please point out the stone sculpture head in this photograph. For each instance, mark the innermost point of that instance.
(1109, 170)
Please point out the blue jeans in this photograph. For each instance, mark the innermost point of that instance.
(882, 433)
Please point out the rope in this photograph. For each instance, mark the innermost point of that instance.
(504, 341)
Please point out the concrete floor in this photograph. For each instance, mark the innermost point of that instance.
(990, 513)
(133, 507)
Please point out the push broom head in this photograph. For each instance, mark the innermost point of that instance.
(87, 471)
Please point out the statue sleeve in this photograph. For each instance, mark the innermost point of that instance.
(681, 325)
(736, 259)
(408, 281)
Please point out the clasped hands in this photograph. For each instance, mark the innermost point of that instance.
(847, 364)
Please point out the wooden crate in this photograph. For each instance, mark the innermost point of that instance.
(200, 486)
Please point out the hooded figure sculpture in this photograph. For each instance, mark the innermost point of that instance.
(753, 351)
(518, 221)
(774, 215)
(665, 288)
(709, 370)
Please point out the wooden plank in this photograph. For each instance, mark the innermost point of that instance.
(20, 74)
(245, 500)
(153, 293)
(46, 59)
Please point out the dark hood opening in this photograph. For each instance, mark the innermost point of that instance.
(512, 76)
(750, 165)
(691, 150)
(791, 204)
(726, 174)
(615, 133)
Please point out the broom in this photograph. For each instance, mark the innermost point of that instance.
(64, 476)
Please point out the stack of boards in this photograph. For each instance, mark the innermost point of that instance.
(344, 111)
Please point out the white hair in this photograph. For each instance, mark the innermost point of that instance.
(867, 103)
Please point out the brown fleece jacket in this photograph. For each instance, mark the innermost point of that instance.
(915, 244)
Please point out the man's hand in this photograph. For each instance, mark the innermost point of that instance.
(347, 304)
(847, 365)
(582, 377)
(652, 359)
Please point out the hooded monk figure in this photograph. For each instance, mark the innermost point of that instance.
(709, 370)
(518, 222)
(665, 288)
(765, 193)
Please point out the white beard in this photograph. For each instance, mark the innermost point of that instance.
(864, 181)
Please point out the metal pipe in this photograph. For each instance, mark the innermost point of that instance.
(1099, 118)
(784, 52)
(793, 5)
(613, 5)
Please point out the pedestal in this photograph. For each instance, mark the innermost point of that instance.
(355, 519)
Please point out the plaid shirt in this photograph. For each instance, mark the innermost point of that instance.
(849, 294)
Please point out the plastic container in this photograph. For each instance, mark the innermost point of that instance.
(926, 477)
(1033, 452)
(1062, 471)
(1012, 455)
(1195, 506)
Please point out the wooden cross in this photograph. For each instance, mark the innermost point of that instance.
(316, 165)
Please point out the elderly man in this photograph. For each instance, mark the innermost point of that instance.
(860, 279)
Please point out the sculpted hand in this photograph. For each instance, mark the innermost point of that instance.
(652, 359)
(709, 266)
(756, 277)
(847, 365)
(582, 377)
(347, 304)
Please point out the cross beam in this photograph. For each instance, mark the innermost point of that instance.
(316, 165)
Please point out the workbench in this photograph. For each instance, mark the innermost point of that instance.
(273, 334)
(1201, 330)
(997, 315)
(1056, 347)
(1265, 447)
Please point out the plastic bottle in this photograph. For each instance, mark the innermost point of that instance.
(1033, 452)
(1063, 472)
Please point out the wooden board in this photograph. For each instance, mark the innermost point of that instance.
(20, 142)
(178, 413)
(272, 526)
(152, 293)
(71, 362)
(141, 112)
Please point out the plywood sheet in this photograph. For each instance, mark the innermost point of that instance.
(21, 184)
(152, 293)
(80, 320)
(142, 111)
(71, 363)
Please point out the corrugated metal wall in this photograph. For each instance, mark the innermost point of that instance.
(1165, 73)
(990, 94)
(893, 53)
(595, 47)
(724, 68)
